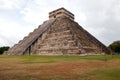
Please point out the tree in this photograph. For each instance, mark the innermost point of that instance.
(115, 46)
(2, 49)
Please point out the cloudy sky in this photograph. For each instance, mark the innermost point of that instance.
(19, 17)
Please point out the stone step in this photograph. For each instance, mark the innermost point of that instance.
(53, 30)
(58, 44)
(58, 51)
(67, 32)
(87, 47)
(60, 48)
(66, 37)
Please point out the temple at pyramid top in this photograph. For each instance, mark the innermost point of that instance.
(61, 12)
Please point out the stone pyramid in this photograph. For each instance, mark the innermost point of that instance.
(60, 35)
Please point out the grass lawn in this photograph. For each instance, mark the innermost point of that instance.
(102, 67)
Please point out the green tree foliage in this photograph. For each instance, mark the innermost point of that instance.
(115, 46)
(2, 49)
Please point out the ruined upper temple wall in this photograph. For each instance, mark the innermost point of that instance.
(61, 12)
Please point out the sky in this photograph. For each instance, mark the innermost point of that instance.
(18, 18)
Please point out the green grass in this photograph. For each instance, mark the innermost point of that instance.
(102, 67)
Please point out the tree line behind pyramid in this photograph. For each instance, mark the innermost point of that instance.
(60, 35)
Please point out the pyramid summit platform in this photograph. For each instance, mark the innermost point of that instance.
(60, 35)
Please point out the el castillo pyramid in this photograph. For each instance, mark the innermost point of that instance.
(60, 35)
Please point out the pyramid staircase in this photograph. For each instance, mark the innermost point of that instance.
(27, 41)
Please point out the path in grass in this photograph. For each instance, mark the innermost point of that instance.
(59, 67)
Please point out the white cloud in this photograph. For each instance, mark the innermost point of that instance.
(9, 28)
(32, 16)
(99, 18)
(11, 32)
(11, 4)
(3, 41)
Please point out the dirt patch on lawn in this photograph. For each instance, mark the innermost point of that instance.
(67, 68)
